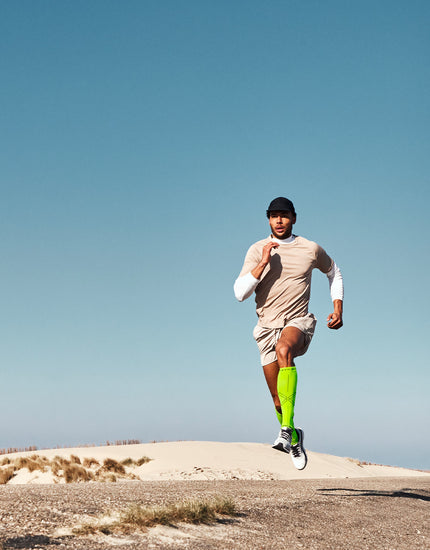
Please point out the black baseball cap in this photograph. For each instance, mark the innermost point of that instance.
(280, 204)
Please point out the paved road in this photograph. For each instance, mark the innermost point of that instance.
(384, 513)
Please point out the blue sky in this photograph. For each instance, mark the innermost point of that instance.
(141, 144)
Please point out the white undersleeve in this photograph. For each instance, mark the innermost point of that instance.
(335, 282)
(244, 286)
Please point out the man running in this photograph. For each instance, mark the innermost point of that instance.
(279, 270)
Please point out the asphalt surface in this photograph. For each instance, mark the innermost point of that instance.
(370, 513)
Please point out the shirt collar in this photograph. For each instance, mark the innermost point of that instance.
(288, 240)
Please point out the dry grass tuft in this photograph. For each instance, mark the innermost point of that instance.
(31, 463)
(225, 506)
(59, 465)
(56, 469)
(90, 462)
(131, 462)
(354, 461)
(61, 461)
(104, 477)
(359, 462)
(72, 470)
(6, 474)
(111, 465)
(143, 460)
(86, 529)
(190, 512)
(43, 461)
(75, 472)
(138, 517)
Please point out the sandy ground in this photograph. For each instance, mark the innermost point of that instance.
(354, 514)
(335, 503)
(197, 460)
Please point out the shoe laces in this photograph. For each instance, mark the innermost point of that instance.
(296, 450)
(286, 434)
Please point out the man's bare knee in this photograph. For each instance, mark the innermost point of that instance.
(285, 352)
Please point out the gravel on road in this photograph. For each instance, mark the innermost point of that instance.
(354, 514)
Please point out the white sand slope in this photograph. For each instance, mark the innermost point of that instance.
(201, 460)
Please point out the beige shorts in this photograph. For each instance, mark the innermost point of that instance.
(267, 338)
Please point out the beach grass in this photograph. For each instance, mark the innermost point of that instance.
(6, 474)
(138, 517)
(71, 470)
(90, 462)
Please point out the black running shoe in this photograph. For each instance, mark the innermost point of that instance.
(283, 441)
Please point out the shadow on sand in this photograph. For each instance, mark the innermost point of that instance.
(403, 493)
(29, 541)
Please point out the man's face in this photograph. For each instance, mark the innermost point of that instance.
(281, 224)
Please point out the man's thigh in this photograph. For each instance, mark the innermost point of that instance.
(298, 332)
(306, 327)
(294, 339)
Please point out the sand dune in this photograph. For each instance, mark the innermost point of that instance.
(200, 460)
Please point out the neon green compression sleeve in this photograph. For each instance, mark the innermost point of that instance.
(287, 386)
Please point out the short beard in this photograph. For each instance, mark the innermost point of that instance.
(283, 236)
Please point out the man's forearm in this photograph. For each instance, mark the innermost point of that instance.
(245, 285)
(257, 272)
(338, 307)
(334, 320)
